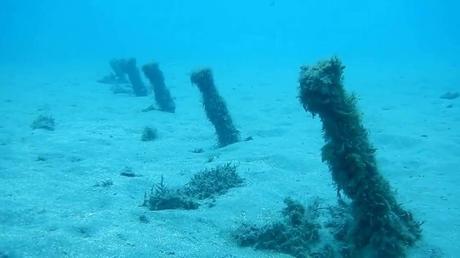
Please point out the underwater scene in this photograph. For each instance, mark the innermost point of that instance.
(228, 129)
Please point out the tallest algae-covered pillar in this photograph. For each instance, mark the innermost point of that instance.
(380, 227)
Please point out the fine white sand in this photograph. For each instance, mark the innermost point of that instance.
(50, 207)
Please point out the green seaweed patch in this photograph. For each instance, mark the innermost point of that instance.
(149, 134)
(213, 182)
(296, 234)
(206, 184)
(162, 197)
(43, 122)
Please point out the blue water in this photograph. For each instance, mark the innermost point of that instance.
(205, 31)
(401, 55)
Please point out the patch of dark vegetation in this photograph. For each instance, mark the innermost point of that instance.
(213, 182)
(149, 134)
(144, 219)
(339, 221)
(104, 183)
(84, 230)
(204, 185)
(315, 231)
(43, 122)
(197, 150)
(163, 198)
(296, 234)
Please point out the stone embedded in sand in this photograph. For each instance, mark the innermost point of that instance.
(450, 95)
(149, 134)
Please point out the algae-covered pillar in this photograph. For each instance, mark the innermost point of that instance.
(129, 67)
(215, 108)
(162, 95)
(380, 227)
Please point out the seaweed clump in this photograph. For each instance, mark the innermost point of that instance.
(215, 107)
(380, 226)
(43, 122)
(163, 198)
(149, 134)
(206, 184)
(213, 182)
(297, 234)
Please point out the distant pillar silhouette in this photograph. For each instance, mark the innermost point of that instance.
(162, 95)
(215, 108)
(118, 70)
(130, 68)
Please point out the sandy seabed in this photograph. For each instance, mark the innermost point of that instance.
(51, 206)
